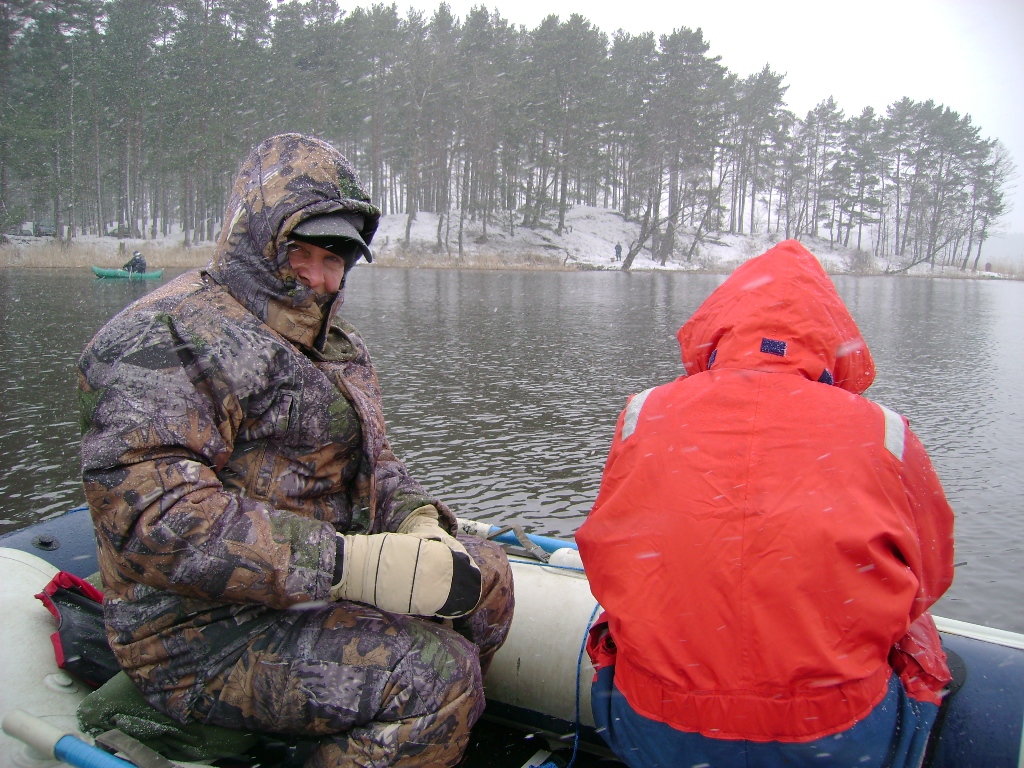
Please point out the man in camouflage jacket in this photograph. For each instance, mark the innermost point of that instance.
(232, 428)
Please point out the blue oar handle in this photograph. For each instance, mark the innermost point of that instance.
(74, 751)
(53, 742)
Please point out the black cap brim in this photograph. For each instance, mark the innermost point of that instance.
(331, 227)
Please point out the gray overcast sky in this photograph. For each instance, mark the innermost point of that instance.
(966, 54)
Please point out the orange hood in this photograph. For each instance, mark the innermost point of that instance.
(779, 313)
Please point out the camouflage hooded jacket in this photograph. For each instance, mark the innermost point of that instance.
(227, 435)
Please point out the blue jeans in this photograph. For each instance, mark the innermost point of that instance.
(893, 735)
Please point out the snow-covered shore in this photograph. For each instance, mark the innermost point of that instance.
(587, 242)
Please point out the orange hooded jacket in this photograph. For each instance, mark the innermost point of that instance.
(766, 542)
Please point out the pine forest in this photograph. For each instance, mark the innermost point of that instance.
(129, 117)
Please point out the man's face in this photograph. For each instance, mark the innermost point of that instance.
(317, 268)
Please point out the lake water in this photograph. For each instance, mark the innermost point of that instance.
(501, 390)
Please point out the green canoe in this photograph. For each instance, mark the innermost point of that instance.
(101, 272)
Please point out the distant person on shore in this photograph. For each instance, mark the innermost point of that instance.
(269, 564)
(137, 263)
(766, 544)
(618, 251)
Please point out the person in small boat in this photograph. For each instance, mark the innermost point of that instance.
(137, 263)
(766, 543)
(268, 563)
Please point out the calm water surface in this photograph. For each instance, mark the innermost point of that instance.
(501, 390)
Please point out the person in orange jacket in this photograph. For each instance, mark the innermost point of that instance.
(766, 544)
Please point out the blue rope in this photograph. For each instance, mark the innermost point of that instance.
(579, 665)
(548, 565)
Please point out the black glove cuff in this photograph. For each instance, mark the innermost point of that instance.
(339, 559)
(465, 592)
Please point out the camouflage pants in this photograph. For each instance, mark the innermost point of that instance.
(382, 689)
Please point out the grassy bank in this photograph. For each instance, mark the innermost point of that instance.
(100, 253)
(159, 256)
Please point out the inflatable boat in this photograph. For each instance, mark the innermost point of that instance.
(126, 275)
(538, 687)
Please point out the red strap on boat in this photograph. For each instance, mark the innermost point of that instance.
(65, 580)
(80, 643)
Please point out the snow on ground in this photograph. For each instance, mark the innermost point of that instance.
(587, 242)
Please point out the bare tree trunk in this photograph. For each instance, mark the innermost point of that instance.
(134, 199)
(155, 200)
(122, 203)
(58, 219)
(668, 241)
(698, 235)
(143, 214)
(444, 199)
(185, 196)
(563, 187)
(409, 219)
(528, 200)
(656, 220)
(645, 232)
(462, 204)
(101, 228)
(753, 183)
(970, 238)
(411, 194)
(981, 242)
(210, 205)
(71, 182)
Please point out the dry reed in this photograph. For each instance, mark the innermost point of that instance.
(48, 254)
(79, 255)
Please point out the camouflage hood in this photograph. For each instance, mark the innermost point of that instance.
(283, 181)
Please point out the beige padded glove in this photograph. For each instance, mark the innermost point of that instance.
(401, 573)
